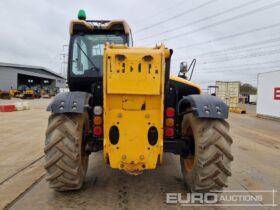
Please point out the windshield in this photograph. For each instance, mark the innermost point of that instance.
(87, 53)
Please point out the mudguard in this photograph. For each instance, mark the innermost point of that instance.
(70, 102)
(203, 106)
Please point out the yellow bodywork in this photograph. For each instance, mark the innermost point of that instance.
(27, 94)
(237, 107)
(133, 83)
(186, 82)
(14, 92)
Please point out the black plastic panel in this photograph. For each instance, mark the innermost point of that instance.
(70, 102)
(203, 106)
(114, 135)
(152, 135)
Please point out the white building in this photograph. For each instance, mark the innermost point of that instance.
(268, 100)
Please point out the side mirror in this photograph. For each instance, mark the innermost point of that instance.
(184, 67)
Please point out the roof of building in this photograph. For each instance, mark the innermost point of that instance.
(34, 69)
(267, 72)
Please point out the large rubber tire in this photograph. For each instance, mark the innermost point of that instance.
(208, 167)
(66, 159)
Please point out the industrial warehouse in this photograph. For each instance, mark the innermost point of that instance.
(22, 77)
(172, 105)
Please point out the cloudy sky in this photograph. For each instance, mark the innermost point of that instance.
(230, 39)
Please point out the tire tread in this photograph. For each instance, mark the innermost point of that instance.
(63, 138)
(213, 154)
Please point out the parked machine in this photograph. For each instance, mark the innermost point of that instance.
(212, 90)
(5, 95)
(45, 93)
(14, 93)
(123, 101)
(28, 94)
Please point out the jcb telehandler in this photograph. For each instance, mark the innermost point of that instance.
(123, 101)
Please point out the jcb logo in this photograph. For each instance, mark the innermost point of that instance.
(277, 93)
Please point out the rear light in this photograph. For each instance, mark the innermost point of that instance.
(169, 122)
(169, 132)
(170, 112)
(97, 110)
(97, 131)
(97, 120)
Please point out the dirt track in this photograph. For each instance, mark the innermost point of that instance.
(22, 186)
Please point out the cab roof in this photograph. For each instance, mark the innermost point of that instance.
(95, 25)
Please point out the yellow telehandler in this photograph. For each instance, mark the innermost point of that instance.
(124, 101)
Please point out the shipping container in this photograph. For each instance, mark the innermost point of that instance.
(268, 100)
(228, 91)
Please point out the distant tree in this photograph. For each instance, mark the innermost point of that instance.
(248, 88)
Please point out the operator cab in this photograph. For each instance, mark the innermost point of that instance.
(86, 48)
